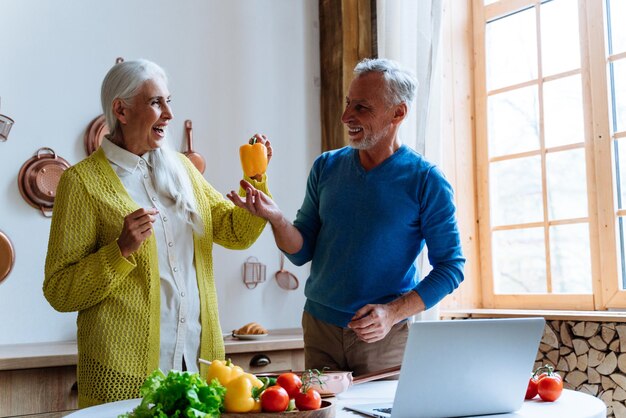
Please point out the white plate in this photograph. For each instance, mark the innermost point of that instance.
(250, 336)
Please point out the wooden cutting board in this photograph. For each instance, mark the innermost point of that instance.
(326, 411)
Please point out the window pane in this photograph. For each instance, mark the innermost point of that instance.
(619, 94)
(511, 49)
(567, 184)
(513, 121)
(570, 258)
(617, 9)
(560, 47)
(563, 112)
(519, 261)
(516, 191)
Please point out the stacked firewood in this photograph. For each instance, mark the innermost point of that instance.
(591, 358)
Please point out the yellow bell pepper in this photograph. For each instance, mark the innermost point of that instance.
(239, 396)
(224, 371)
(253, 158)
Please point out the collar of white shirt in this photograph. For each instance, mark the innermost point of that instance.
(122, 158)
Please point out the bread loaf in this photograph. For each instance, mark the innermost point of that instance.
(251, 328)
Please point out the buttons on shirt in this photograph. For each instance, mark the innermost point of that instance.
(182, 294)
(170, 244)
(142, 162)
(165, 219)
(145, 176)
(182, 320)
(175, 269)
(154, 199)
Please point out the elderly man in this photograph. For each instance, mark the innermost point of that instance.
(368, 211)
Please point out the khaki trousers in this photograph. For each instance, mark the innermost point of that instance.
(338, 348)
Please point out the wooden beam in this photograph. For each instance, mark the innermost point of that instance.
(346, 28)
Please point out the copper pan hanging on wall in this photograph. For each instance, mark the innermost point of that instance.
(7, 256)
(195, 158)
(39, 177)
(95, 132)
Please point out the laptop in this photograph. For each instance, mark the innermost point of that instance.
(459, 368)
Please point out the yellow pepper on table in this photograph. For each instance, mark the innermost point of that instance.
(253, 158)
(224, 371)
(239, 394)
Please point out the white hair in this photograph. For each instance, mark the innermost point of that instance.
(171, 178)
(401, 84)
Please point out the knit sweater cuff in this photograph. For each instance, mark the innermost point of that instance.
(259, 185)
(120, 264)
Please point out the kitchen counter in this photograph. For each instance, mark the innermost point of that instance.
(38, 355)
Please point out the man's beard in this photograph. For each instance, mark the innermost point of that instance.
(369, 141)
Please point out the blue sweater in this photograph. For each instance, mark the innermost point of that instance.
(363, 231)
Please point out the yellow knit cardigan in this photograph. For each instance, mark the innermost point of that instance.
(117, 298)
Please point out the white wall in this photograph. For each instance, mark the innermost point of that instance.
(236, 67)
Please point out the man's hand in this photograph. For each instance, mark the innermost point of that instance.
(287, 236)
(372, 323)
(256, 202)
(137, 228)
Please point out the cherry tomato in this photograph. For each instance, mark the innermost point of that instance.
(274, 399)
(308, 400)
(531, 390)
(291, 383)
(550, 387)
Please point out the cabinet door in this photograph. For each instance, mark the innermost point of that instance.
(269, 361)
(35, 391)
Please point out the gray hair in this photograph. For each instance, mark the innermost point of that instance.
(123, 82)
(401, 83)
(170, 176)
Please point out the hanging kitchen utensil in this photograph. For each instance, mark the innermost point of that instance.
(7, 256)
(253, 272)
(196, 159)
(39, 177)
(95, 132)
(5, 127)
(285, 279)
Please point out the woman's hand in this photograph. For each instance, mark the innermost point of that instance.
(137, 228)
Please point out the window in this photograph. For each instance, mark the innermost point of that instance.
(550, 84)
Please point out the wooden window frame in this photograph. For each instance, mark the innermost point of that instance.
(602, 215)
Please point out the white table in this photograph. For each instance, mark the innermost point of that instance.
(571, 404)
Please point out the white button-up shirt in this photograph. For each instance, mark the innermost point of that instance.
(180, 300)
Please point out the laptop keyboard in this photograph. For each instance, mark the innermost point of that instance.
(385, 410)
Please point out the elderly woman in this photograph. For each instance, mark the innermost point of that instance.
(131, 241)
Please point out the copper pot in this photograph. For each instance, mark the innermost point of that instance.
(7, 256)
(39, 177)
(95, 132)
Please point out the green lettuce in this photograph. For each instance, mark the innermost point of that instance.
(178, 395)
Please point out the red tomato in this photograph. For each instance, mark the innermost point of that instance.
(291, 383)
(550, 387)
(274, 399)
(309, 400)
(531, 390)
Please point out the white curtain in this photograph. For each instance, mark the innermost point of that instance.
(409, 31)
